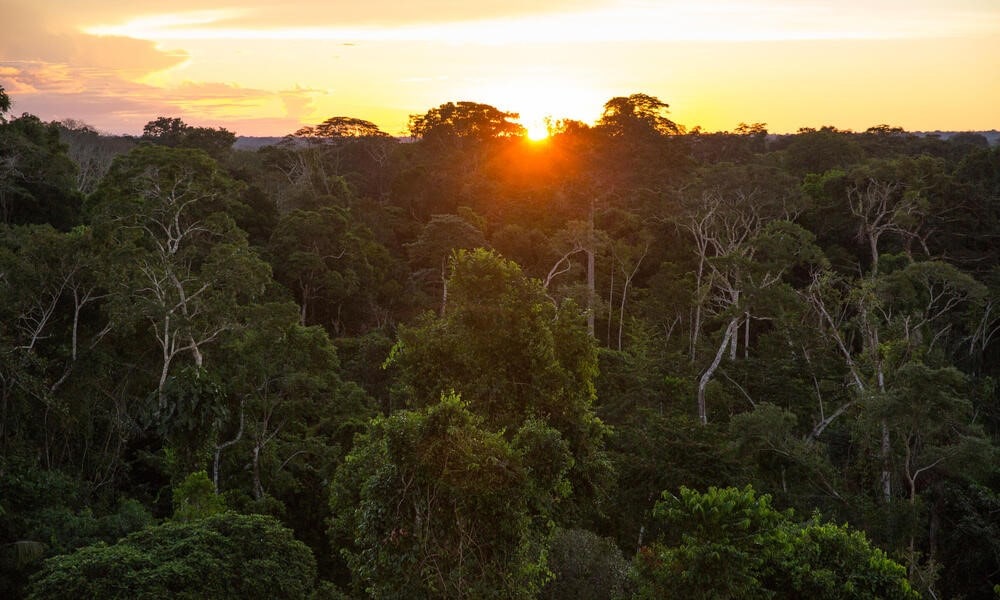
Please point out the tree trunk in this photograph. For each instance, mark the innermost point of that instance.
(707, 375)
(746, 336)
(220, 447)
(886, 460)
(258, 489)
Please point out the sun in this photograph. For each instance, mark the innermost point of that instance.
(536, 132)
(537, 126)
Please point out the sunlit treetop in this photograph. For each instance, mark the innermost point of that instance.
(637, 114)
(341, 127)
(465, 120)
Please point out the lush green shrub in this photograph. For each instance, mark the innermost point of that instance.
(730, 543)
(222, 556)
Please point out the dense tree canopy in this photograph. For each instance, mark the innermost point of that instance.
(223, 556)
(614, 363)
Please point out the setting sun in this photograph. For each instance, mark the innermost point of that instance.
(537, 131)
(254, 69)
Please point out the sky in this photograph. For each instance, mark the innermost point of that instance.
(266, 68)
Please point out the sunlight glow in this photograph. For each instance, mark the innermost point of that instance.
(537, 131)
(265, 70)
(616, 22)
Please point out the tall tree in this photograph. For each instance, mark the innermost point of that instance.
(432, 504)
(453, 122)
(513, 355)
(179, 265)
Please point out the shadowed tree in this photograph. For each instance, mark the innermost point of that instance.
(459, 124)
(637, 115)
(177, 263)
(513, 355)
(433, 504)
(730, 543)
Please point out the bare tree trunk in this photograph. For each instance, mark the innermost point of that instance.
(734, 343)
(164, 373)
(746, 335)
(707, 375)
(220, 447)
(695, 328)
(258, 489)
(886, 464)
(886, 447)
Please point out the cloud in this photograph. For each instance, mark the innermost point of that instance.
(28, 34)
(587, 23)
(264, 13)
(115, 105)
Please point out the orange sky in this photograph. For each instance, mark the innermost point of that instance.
(266, 68)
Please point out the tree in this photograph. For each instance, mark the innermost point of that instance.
(351, 147)
(47, 286)
(438, 239)
(513, 355)
(740, 219)
(292, 417)
(165, 131)
(36, 176)
(45, 512)
(179, 263)
(331, 264)
(92, 152)
(222, 556)
(4, 105)
(880, 324)
(341, 127)
(175, 133)
(433, 505)
(635, 112)
(585, 566)
(637, 115)
(730, 543)
(452, 123)
(195, 498)
(499, 345)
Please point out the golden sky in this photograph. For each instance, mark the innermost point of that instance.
(267, 67)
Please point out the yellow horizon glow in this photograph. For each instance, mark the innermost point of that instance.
(919, 64)
(759, 20)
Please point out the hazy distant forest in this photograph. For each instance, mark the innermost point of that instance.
(631, 360)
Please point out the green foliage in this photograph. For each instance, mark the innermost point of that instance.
(429, 504)
(731, 543)
(851, 275)
(43, 513)
(513, 356)
(195, 498)
(222, 556)
(4, 104)
(37, 177)
(332, 265)
(585, 566)
(175, 133)
(460, 120)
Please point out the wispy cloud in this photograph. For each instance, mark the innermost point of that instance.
(111, 103)
(626, 21)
